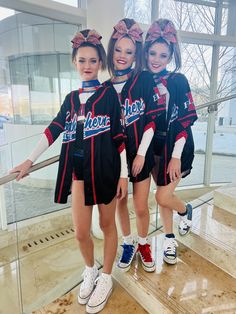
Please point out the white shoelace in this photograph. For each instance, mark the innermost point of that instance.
(101, 289)
(170, 245)
(184, 222)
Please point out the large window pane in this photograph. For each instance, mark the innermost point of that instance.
(188, 16)
(196, 60)
(139, 10)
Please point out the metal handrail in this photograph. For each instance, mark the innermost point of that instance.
(215, 102)
(10, 177)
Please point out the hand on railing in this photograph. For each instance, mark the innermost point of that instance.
(23, 169)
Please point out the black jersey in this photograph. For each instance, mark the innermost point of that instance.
(102, 143)
(174, 92)
(140, 109)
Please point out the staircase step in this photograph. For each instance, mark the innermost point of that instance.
(193, 285)
(225, 197)
(213, 236)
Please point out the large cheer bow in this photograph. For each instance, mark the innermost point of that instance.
(93, 37)
(155, 32)
(134, 32)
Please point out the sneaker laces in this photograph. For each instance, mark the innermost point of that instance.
(128, 250)
(170, 246)
(145, 251)
(184, 222)
(100, 290)
(88, 277)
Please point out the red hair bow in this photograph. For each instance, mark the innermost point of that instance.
(135, 32)
(93, 37)
(155, 32)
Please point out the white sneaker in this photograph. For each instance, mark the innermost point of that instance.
(170, 250)
(88, 284)
(185, 221)
(100, 294)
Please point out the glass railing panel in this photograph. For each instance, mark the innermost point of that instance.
(224, 144)
(35, 194)
(10, 296)
(49, 258)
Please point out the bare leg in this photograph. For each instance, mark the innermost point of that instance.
(166, 198)
(123, 215)
(82, 217)
(108, 226)
(140, 198)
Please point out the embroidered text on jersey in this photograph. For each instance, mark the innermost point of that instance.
(70, 127)
(96, 125)
(133, 111)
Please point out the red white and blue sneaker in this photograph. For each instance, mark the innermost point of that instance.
(148, 263)
(127, 256)
(185, 222)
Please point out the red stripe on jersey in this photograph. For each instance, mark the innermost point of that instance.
(92, 170)
(150, 125)
(185, 124)
(132, 85)
(165, 166)
(92, 149)
(180, 135)
(189, 115)
(72, 103)
(49, 136)
(63, 174)
(156, 110)
(135, 134)
(58, 124)
(118, 135)
(121, 148)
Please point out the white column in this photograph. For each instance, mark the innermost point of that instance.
(102, 15)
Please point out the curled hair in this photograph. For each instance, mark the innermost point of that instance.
(173, 47)
(138, 52)
(98, 47)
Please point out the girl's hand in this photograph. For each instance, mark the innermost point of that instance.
(174, 169)
(122, 188)
(23, 169)
(137, 165)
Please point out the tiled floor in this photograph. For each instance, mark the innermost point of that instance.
(194, 283)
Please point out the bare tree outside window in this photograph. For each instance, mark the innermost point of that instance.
(197, 57)
(139, 10)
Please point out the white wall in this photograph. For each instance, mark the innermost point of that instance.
(102, 15)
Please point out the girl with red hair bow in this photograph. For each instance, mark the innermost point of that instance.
(173, 140)
(139, 108)
(92, 163)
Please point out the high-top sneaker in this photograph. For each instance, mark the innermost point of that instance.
(127, 256)
(100, 294)
(170, 250)
(89, 275)
(145, 254)
(185, 222)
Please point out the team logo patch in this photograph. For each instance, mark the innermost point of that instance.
(133, 111)
(174, 114)
(94, 126)
(70, 127)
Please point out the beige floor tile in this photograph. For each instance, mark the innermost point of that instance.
(193, 285)
(119, 303)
